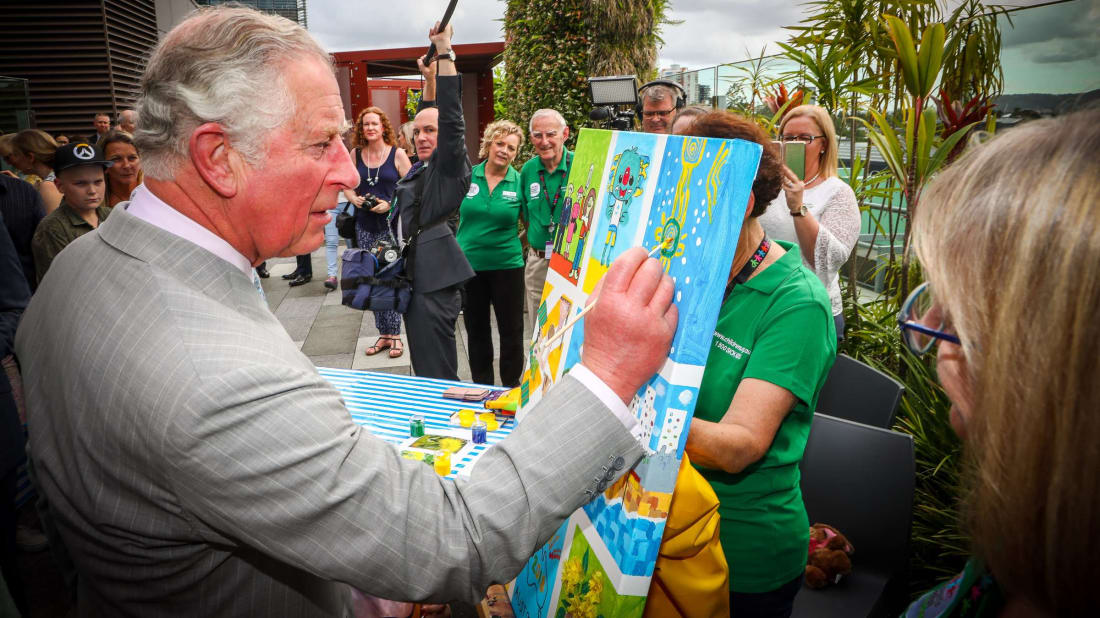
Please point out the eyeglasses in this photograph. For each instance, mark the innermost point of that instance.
(808, 139)
(922, 321)
(658, 113)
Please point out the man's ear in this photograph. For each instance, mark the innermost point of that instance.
(214, 159)
(565, 133)
(752, 203)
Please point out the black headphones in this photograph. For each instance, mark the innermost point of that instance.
(681, 98)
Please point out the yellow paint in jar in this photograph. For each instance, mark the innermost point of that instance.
(442, 463)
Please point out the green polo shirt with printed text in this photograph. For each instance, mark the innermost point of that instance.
(777, 327)
(487, 224)
(538, 199)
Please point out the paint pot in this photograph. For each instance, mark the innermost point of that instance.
(416, 426)
(466, 417)
(442, 463)
(478, 433)
(490, 420)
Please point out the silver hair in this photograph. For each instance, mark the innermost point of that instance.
(223, 65)
(122, 114)
(659, 92)
(547, 113)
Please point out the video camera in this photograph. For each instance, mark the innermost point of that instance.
(609, 96)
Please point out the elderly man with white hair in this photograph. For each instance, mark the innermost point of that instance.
(543, 182)
(194, 461)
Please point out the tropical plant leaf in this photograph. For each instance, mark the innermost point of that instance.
(938, 159)
(931, 58)
(907, 53)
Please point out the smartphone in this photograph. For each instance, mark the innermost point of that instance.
(794, 155)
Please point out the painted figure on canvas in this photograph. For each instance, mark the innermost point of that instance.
(626, 184)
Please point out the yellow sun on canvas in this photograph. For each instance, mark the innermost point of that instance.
(669, 236)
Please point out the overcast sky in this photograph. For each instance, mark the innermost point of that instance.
(712, 32)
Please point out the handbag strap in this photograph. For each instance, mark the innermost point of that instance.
(409, 251)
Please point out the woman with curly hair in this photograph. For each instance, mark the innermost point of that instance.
(381, 164)
(487, 233)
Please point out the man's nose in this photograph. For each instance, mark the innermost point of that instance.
(346, 174)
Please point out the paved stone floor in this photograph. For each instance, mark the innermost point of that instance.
(333, 335)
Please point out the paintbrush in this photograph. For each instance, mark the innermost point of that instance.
(568, 325)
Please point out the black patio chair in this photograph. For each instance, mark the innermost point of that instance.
(860, 479)
(858, 392)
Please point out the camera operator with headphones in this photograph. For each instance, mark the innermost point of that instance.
(659, 101)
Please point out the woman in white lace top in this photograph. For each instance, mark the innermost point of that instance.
(819, 212)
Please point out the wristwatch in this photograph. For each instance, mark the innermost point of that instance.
(450, 55)
(801, 212)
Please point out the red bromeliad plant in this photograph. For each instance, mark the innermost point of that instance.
(956, 116)
(780, 102)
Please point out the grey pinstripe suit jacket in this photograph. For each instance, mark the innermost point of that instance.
(197, 465)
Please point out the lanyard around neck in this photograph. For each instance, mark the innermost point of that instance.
(546, 194)
(750, 267)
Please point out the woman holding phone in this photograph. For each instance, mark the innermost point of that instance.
(817, 210)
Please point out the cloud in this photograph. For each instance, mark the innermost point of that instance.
(1060, 22)
(1080, 50)
(345, 25)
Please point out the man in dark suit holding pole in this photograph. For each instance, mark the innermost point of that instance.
(425, 199)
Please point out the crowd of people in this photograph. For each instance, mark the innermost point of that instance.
(191, 461)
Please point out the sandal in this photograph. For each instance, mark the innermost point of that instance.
(395, 347)
(382, 343)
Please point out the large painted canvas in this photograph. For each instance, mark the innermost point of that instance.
(687, 195)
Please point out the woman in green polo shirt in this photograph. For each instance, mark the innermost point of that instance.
(488, 235)
(773, 346)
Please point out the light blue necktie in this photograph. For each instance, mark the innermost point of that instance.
(259, 287)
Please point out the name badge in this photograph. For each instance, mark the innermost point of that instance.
(509, 195)
(536, 188)
(549, 249)
(474, 189)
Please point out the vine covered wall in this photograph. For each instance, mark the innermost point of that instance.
(554, 46)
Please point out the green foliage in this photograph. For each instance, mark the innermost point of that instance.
(939, 549)
(412, 103)
(555, 45)
(547, 60)
(831, 73)
(500, 89)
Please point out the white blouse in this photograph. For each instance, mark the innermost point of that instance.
(833, 204)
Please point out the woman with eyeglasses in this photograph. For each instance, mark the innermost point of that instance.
(1008, 241)
(818, 210)
(772, 349)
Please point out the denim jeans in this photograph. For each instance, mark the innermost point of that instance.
(332, 239)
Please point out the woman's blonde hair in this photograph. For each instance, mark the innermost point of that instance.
(36, 142)
(498, 129)
(406, 131)
(825, 123)
(1009, 240)
(388, 138)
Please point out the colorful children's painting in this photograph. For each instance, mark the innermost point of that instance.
(688, 196)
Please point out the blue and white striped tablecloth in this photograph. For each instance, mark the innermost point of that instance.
(383, 403)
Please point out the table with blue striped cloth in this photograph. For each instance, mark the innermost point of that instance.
(384, 402)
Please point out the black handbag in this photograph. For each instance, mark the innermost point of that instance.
(345, 223)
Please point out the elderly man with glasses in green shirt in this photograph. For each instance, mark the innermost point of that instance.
(542, 181)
